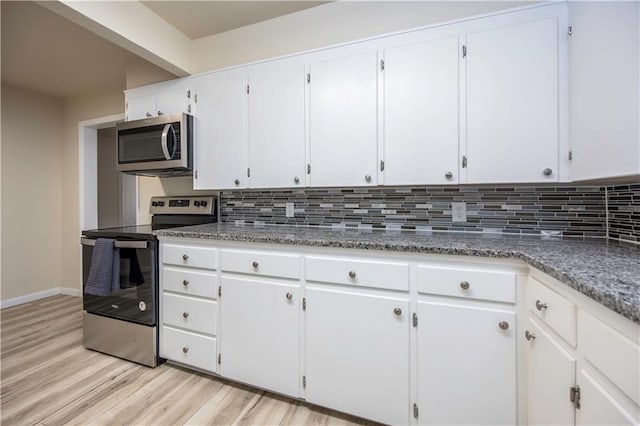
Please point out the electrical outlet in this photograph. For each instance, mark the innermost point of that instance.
(288, 209)
(458, 212)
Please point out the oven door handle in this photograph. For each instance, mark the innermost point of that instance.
(119, 244)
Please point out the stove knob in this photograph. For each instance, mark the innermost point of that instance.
(154, 203)
(161, 203)
(196, 203)
(203, 203)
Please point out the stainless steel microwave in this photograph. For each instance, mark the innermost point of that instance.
(158, 146)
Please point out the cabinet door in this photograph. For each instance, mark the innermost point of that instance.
(259, 334)
(220, 133)
(276, 126)
(358, 354)
(466, 365)
(421, 113)
(343, 121)
(512, 103)
(597, 406)
(141, 107)
(551, 374)
(172, 101)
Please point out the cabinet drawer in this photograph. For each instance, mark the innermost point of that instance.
(188, 348)
(467, 283)
(617, 357)
(190, 282)
(183, 255)
(186, 312)
(260, 263)
(556, 311)
(386, 275)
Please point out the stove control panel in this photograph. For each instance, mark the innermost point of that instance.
(192, 204)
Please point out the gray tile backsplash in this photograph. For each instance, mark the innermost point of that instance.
(563, 210)
(624, 212)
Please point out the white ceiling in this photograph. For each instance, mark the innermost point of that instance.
(197, 19)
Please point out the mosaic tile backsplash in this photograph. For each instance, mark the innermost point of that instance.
(554, 210)
(624, 212)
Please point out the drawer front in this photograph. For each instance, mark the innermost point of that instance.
(617, 357)
(188, 348)
(190, 282)
(467, 283)
(189, 313)
(194, 256)
(260, 263)
(556, 311)
(385, 275)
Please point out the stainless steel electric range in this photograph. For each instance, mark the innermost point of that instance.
(120, 279)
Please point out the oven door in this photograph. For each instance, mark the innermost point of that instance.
(134, 297)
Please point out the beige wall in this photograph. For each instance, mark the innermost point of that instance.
(31, 192)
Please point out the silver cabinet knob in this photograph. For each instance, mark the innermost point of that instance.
(148, 114)
(185, 257)
(289, 296)
(448, 175)
(237, 181)
(397, 311)
(547, 172)
(185, 349)
(296, 179)
(352, 274)
(185, 282)
(503, 325)
(367, 178)
(529, 336)
(160, 112)
(255, 264)
(540, 305)
(464, 285)
(185, 315)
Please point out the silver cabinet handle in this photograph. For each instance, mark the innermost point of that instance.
(164, 141)
(397, 311)
(185, 282)
(237, 181)
(352, 274)
(118, 244)
(367, 178)
(160, 112)
(464, 285)
(185, 315)
(503, 325)
(448, 175)
(540, 305)
(529, 336)
(148, 114)
(185, 349)
(296, 179)
(547, 172)
(289, 296)
(185, 257)
(255, 264)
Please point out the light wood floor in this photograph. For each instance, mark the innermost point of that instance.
(48, 378)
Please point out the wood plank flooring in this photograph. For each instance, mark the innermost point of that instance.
(48, 378)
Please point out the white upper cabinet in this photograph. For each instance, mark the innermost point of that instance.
(220, 155)
(138, 107)
(421, 112)
(343, 120)
(145, 103)
(276, 125)
(512, 103)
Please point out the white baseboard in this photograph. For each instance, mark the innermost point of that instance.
(39, 295)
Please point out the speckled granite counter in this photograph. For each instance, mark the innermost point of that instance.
(607, 272)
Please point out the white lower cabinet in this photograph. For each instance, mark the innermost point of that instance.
(260, 322)
(357, 348)
(466, 364)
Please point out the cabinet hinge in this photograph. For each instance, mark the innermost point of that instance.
(188, 94)
(304, 382)
(247, 89)
(220, 291)
(570, 155)
(381, 64)
(126, 105)
(382, 165)
(189, 108)
(415, 319)
(464, 51)
(308, 169)
(195, 98)
(464, 161)
(574, 395)
(415, 410)
(570, 31)
(196, 174)
(308, 78)
(219, 358)
(248, 172)
(304, 303)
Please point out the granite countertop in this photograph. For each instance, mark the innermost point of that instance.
(605, 271)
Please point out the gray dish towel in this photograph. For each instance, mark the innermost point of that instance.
(104, 274)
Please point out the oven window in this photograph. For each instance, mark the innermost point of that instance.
(132, 295)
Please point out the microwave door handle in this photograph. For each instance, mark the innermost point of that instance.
(165, 135)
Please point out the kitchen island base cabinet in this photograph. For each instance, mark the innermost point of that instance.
(466, 365)
(260, 321)
(357, 354)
